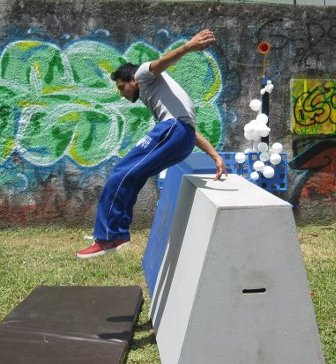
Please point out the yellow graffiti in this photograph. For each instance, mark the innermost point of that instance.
(83, 102)
(56, 88)
(28, 103)
(313, 109)
(26, 45)
(106, 66)
(70, 117)
(9, 145)
(215, 88)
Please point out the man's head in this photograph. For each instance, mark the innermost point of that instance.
(124, 78)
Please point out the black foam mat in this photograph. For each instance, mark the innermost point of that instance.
(77, 325)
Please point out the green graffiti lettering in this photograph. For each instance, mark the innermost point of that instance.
(139, 53)
(120, 123)
(62, 138)
(5, 92)
(55, 64)
(75, 74)
(87, 143)
(7, 137)
(3, 119)
(57, 102)
(36, 122)
(4, 64)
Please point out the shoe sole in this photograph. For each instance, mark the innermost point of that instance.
(103, 252)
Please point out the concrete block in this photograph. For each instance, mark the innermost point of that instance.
(232, 287)
(196, 163)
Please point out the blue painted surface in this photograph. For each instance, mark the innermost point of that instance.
(196, 163)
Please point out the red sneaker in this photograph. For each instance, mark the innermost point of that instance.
(101, 247)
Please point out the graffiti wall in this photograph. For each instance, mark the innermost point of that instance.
(59, 108)
(313, 118)
(63, 125)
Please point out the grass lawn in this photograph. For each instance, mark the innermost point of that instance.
(46, 256)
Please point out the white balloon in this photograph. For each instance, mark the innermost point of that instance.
(268, 172)
(255, 105)
(262, 92)
(275, 158)
(256, 128)
(240, 157)
(247, 127)
(248, 135)
(262, 147)
(256, 137)
(269, 88)
(252, 124)
(265, 131)
(259, 127)
(277, 148)
(254, 175)
(255, 146)
(258, 165)
(248, 150)
(264, 156)
(263, 118)
(250, 130)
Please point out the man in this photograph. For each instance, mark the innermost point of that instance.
(171, 140)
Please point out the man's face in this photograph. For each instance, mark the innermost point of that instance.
(128, 89)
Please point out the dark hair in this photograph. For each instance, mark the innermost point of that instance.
(125, 72)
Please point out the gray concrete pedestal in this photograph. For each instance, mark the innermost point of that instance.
(232, 287)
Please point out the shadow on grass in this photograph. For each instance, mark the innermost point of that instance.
(144, 341)
(148, 339)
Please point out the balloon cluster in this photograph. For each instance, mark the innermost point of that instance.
(253, 132)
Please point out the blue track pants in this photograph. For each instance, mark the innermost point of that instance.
(168, 143)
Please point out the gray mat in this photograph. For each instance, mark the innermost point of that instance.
(71, 325)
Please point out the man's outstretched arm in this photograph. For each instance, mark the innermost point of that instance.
(200, 41)
(203, 144)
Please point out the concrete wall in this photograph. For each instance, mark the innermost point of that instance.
(63, 125)
(287, 2)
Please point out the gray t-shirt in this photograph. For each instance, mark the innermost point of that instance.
(164, 96)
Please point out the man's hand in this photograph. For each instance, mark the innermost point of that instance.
(221, 168)
(200, 41)
(205, 145)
